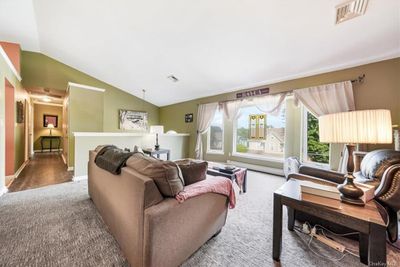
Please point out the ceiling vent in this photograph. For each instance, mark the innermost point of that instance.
(173, 78)
(350, 9)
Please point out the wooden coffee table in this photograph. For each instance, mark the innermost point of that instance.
(231, 176)
(369, 221)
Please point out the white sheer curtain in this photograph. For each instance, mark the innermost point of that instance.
(327, 99)
(270, 104)
(205, 115)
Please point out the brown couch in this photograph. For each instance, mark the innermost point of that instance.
(153, 230)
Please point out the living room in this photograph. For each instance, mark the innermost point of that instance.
(157, 104)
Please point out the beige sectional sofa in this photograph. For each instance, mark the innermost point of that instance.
(153, 230)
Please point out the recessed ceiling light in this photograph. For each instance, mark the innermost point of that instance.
(46, 99)
(173, 78)
(350, 9)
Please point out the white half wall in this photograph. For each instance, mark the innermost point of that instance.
(84, 142)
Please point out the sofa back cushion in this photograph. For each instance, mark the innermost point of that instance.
(376, 162)
(166, 174)
(192, 170)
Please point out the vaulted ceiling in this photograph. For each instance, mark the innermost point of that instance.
(211, 46)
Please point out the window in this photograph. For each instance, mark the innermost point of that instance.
(215, 139)
(258, 135)
(313, 150)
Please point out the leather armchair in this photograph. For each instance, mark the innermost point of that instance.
(380, 168)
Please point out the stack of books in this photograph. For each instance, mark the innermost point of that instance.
(329, 191)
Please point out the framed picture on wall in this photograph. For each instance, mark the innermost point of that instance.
(133, 120)
(189, 117)
(50, 119)
(20, 112)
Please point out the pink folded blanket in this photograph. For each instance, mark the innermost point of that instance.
(213, 184)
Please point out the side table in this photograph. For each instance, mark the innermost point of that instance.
(157, 153)
(369, 221)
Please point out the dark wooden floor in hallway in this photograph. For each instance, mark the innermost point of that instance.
(43, 169)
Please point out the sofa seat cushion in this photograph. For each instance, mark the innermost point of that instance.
(166, 174)
(193, 171)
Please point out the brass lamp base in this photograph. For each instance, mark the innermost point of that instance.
(350, 193)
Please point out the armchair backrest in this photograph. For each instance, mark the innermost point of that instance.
(375, 163)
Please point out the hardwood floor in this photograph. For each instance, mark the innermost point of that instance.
(43, 169)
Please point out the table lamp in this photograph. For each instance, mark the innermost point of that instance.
(157, 129)
(50, 126)
(350, 128)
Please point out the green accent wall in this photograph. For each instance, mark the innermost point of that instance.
(380, 89)
(88, 110)
(39, 70)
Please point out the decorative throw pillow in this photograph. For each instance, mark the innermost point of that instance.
(193, 171)
(166, 174)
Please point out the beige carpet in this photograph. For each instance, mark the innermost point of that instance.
(59, 226)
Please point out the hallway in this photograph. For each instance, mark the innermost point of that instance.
(42, 170)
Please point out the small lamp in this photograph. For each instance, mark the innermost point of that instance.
(157, 129)
(355, 127)
(50, 126)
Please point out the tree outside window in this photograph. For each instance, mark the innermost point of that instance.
(316, 151)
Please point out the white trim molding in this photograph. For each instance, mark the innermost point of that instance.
(3, 190)
(274, 171)
(18, 172)
(86, 87)
(97, 134)
(70, 169)
(80, 178)
(47, 104)
(48, 150)
(9, 63)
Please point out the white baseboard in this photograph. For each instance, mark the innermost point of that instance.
(70, 169)
(79, 178)
(3, 191)
(48, 150)
(63, 158)
(18, 172)
(259, 168)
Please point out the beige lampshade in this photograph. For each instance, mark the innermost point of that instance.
(356, 127)
(50, 126)
(157, 129)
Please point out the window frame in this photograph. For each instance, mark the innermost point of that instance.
(213, 151)
(304, 143)
(251, 155)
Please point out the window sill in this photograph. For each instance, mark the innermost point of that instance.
(211, 152)
(325, 166)
(258, 157)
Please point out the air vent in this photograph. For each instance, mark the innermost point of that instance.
(173, 78)
(350, 9)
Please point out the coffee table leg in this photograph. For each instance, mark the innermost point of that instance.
(277, 229)
(245, 182)
(377, 245)
(291, 218)
(363, 248)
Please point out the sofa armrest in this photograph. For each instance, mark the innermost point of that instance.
(331, 176)
(173, 231)
(388, 191)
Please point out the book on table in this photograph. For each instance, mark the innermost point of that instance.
(329, 191)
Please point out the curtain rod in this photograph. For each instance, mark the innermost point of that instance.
(359, 79)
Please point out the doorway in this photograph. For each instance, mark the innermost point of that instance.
(9, 123)
(45, 144)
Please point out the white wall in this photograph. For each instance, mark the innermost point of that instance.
(84, 142)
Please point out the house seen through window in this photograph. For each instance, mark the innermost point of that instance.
(260, 134)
